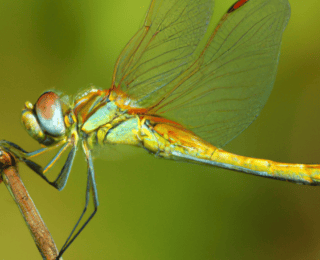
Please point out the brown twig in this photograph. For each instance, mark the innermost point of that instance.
(39, 231)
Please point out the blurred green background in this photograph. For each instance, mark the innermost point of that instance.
(151, 208)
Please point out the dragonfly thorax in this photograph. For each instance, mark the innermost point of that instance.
(96, 114)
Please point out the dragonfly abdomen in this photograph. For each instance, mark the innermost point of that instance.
(299, 173)
(308, 174)
(173, 142)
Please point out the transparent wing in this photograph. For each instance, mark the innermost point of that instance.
(225, 89)
(163, 48)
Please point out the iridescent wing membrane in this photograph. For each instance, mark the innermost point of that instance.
(218, 91)
(162, 49)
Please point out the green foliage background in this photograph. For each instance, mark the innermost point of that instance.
(150, 208)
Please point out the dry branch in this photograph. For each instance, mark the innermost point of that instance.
(39, 231)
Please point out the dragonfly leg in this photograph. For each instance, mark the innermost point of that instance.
(56, 157)
(91, 187)
(61, 181)
(23, 156)
(21, 153)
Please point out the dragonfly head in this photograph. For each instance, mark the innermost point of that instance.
(48, 120)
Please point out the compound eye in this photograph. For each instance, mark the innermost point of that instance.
(49, 112)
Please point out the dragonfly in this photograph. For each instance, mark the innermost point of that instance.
(175, 92)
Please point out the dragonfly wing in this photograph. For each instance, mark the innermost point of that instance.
(162, 49)
(226, 88)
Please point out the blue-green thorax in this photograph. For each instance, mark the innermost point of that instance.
(94, 111)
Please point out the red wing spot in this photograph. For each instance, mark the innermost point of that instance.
(46, 104)
(240, 3)
(237, 5)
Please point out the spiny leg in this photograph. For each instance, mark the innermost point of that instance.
(23, 156)
(56, 157)
(60, 182)
(21, 153)
(91, 186)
